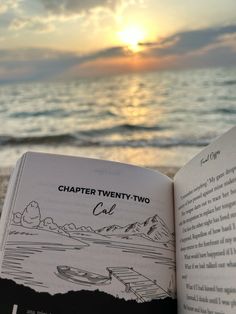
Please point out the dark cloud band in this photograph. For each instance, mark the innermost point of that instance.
(188, 41)
(68, 7)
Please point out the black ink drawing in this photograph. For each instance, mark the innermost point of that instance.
(141, 286)
(144, 288)
(81, 276)
(86, 255)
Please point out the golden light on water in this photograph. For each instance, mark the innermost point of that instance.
(132, 36)
(135, 109)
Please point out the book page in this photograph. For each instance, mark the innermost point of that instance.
(84, 225)
(205, 209)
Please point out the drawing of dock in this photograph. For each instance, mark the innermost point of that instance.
(144, 288)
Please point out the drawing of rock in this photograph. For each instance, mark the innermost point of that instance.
(61, 231)
(69, 227)
(49, 225)
(31, 215)
(17, 218)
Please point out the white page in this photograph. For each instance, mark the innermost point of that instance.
(205, 209)
(89, 215)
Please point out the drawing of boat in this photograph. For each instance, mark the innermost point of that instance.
(81, 276)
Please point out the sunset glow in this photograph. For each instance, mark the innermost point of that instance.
(74, 38)
(132, 36)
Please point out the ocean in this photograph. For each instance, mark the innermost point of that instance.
(148, 119)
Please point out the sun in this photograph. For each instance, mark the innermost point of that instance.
(132, 36)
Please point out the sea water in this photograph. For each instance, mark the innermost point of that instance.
(148, 119)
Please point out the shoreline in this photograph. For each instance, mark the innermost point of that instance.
(5, 176)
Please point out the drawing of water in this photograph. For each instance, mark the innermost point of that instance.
(24, 264)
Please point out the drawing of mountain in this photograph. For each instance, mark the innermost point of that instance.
(153, 228)
(109, 229)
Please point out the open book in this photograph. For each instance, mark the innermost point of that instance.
(80, 233)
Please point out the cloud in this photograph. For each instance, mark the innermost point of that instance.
(216, 56)
(45, 15)
(106, 53)
(8, 6)
(3, 8)
(206, 47)
(70, 7)
(189, 41)
(34, 55)
(40, 64)
(14, 15)
(37, 24)
(34, 64)
(58, 58)
(18, 23)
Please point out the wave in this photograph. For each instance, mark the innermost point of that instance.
(29, 140)
(161, 143)
(225, 110)
(26, 114)
(122, 128)
(226, 82)
(68, 139)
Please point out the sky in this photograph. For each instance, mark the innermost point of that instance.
(66, 39)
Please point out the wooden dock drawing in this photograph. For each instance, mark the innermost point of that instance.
(144, 288)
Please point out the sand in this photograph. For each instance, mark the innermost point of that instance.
(5, 176)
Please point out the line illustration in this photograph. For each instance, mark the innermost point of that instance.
(86, 254)
(80, 276)
(144, 288)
